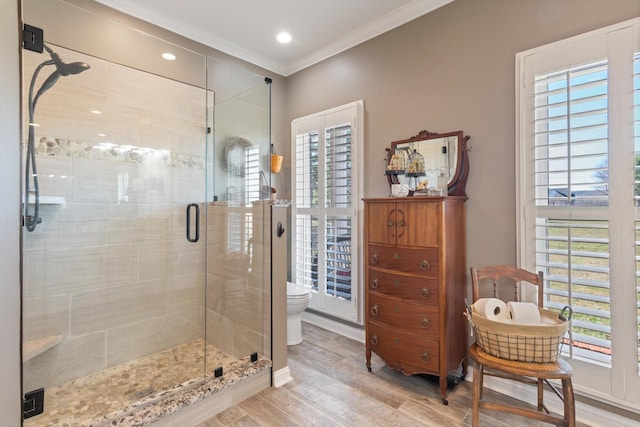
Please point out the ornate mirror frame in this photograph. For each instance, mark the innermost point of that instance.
(458, 177)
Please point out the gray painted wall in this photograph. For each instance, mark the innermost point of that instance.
(10, 400)
(452, 69)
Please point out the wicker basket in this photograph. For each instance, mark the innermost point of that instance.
(525, 343)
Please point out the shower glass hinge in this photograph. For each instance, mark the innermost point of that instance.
(218, 372)
(32, 38)
(254, 357)
(33, 403)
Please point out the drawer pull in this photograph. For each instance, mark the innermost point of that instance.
(424, 293)
(374, 310)
(396, 282)
(425, 322)
(396, 256)
(374, 259)
(401, 224)
(390, 223)
(374, 283)
(424, 265)
(374, 340)
(424, 357)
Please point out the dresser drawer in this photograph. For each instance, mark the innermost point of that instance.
(416, 288)
(407, 315)
(416, 261)
(403, 351)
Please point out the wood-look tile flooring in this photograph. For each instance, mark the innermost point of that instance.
(332, 387)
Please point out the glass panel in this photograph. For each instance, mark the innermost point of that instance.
(112, 290)
(238, 214)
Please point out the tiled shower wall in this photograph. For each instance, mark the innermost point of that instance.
(110, 270)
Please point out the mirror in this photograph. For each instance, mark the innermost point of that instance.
(430, 163)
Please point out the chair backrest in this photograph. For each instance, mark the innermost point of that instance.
(507, 275)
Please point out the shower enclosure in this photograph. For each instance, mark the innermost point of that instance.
(145, 246)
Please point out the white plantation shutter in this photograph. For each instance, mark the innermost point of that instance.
(326, 208)
(571, 139)
(306, 170)
(338, 166)
(571, 170)
(575, 258)
(636, 137)
(578, 139)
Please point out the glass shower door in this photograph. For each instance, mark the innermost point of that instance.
(113, 291)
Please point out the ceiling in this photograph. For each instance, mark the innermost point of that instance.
(247, 29)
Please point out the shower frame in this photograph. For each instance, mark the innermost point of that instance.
(56, 207)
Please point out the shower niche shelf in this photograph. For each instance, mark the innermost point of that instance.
(32, 348)
(48, 200)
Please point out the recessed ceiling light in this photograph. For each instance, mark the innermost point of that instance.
(284, 37)
(96, 112)
(169, 56)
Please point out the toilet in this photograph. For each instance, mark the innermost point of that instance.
(298, 298)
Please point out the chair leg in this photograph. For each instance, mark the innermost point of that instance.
(569, 402)
(478, 373)
(481, 382)
(540, 394)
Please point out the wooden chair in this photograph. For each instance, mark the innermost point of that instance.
(526, 372)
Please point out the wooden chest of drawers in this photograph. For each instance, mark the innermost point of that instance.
(416, 284)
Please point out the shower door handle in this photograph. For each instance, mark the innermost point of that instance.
(196, 237)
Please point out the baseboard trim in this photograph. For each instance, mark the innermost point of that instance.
(281, 377)
(349, 331)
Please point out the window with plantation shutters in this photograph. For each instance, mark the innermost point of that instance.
(327, 154)
(578, 145)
